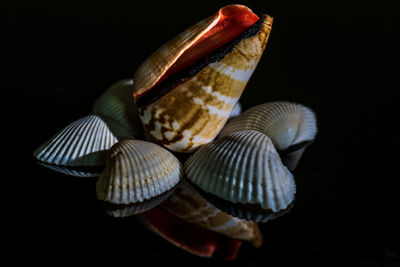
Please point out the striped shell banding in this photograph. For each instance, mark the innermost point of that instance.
(189, 107)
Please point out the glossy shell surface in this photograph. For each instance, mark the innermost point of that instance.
(194, 112)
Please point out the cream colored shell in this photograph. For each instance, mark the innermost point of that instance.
(286, 123)
(194, 112)
(137, 171)
(82, 143)
(189, 205)
(117, 103)
(243, 167)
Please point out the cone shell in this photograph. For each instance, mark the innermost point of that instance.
(188, 204)
(82, 143)
(137, 171)
(243, 167)
(195, 110)
(287, 124)
(117, 103)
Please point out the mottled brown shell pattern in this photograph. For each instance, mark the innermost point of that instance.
(193, 113)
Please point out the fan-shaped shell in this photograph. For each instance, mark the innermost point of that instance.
(198, 105)
(117, 103)
(287, 124)
(82, 143)
(189, 205)
(137, 171)
(243, 167)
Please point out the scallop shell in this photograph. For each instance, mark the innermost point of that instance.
(188, 204)
(243, 167)
(82, 143)
(195, 109)
(137, 171)
(287, 124)
(117, 103)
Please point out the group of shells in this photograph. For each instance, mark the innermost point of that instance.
(172, 143)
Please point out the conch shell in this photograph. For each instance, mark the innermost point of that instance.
(187, 89)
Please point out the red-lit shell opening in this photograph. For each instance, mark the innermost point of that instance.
(193, 44)
(190, 237)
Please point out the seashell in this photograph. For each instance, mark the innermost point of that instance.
(120, 210)
(237, 109)
(74, 171)
(137, 171)
(189, 237)
(243, 167)
(117, 103)
(186, 203)
(289, 125)
(82, 143)
(186, 90)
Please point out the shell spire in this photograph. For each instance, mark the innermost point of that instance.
(186, 90)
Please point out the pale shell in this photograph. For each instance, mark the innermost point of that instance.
(286, 123)
(137, 171)
(117, 103)
(189, 205)
(237, 109)
(194, 112)
(243, 167)
(82, 143)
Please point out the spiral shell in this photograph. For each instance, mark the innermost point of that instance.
(243, 167)
(82, 143)
(188, 204)
(200, 98)
(137, 171)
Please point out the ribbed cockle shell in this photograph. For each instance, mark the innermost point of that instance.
(245, 168)
(290, 126)
(137, 171)
(186, 90)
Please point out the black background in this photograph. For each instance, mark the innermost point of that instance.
(338, 58)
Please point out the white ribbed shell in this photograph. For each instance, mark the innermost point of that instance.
(82, 143)
(72, 171)
(285, 123)
(117, 103)
(136, 171)
(243, 167)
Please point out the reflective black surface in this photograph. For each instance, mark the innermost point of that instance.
(340, 59)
